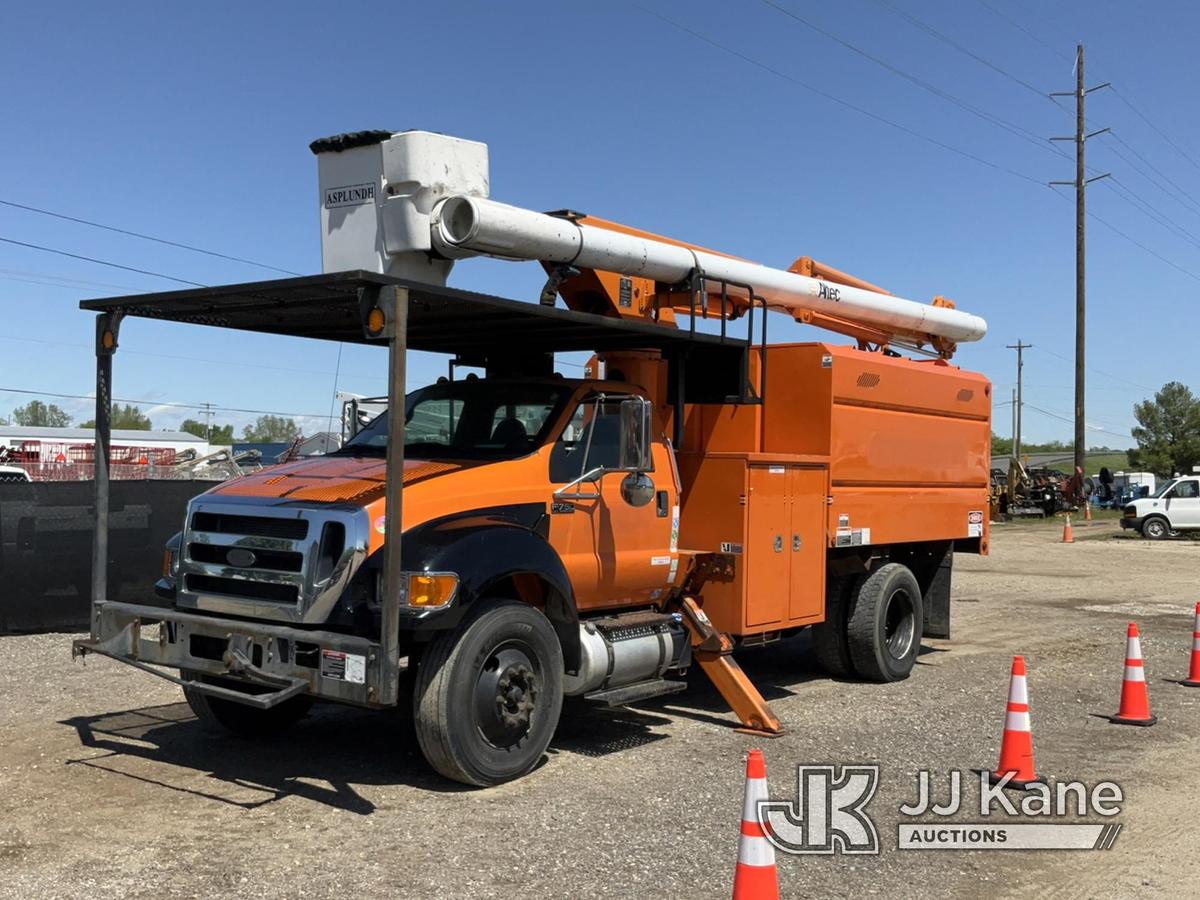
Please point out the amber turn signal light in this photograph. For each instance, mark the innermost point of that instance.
(376, 320)
(429, 590)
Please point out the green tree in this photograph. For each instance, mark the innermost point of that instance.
(1168, 431)
(37, 413)
(220, 435)
(271, 429)
(128, 417)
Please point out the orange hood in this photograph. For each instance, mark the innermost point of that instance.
(328, 479)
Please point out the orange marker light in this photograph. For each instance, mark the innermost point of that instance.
(376, 320)
(429, 590)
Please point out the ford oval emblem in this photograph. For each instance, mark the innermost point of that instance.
(241, 558)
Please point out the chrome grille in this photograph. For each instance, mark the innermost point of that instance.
(287, 562)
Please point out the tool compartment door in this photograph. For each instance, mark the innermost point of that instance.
(768, 549)
(806, 543)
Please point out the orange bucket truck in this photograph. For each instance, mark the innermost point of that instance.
(490, 545)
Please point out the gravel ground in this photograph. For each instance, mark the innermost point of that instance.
(109, 787)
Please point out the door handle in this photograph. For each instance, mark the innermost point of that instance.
(796, 543)
(779, 543)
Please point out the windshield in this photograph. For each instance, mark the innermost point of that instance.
(1162, 490)
(473, 419)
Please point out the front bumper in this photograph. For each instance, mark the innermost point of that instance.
(275, 660)
(1135, 524)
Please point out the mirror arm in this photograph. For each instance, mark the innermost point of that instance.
(591, 475)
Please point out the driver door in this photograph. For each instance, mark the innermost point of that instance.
(616, 554)
(1183, 504)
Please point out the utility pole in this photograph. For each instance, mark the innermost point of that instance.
(1080, 184)
(1020, 348)
(208, 421)
(1013, 454)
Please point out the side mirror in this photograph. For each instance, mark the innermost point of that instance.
(634, 447)
(637, 489)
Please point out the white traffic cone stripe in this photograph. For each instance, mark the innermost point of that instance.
(1135, 648)
(1018, 691)
(756, 790)
(1135, 673)
(755, 851)
(1196, 643)
(1017, 721)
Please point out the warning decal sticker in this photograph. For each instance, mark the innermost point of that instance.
(341, 666)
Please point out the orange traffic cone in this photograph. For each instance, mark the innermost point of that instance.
(1016, 748)
(1068, 535)
(1135, 698)
(1087, 513)
(756, 877)
(1193, 679)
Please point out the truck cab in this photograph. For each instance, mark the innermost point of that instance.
(1174, 507)
(486, 460)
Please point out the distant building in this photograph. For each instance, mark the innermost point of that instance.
(48, 443)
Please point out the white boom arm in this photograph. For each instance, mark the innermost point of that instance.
(470, 226)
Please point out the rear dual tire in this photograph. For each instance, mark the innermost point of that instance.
(873, 625)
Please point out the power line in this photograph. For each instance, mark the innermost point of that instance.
(144, 237)
(1061, 418)
(50, 279)
(1136, 243)
(929, 29)
(101, 262)
(835, 99)
(1151, 211)
(1011, 127)
(262, 412)
(1195, 204)
(175, 356)
(875, 116)
(1162, 134)
(1098, 371)
(1021, 28)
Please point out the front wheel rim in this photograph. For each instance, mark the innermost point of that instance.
(507, 689)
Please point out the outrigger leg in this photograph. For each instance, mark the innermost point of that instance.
(714, 651)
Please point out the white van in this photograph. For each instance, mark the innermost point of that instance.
(1173, 507)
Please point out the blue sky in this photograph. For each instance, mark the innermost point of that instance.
(191, 122)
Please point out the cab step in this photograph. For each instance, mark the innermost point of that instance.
(634, 693)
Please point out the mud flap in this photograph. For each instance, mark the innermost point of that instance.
(936, 599)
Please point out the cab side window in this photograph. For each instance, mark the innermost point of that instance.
(603, 422)
(1186, 490)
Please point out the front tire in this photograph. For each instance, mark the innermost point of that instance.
(1156, 528)
(489, 694)
(216, 714)
(885, 623)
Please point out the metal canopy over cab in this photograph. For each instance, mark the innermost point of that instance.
(440, 319)
(504, 335)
